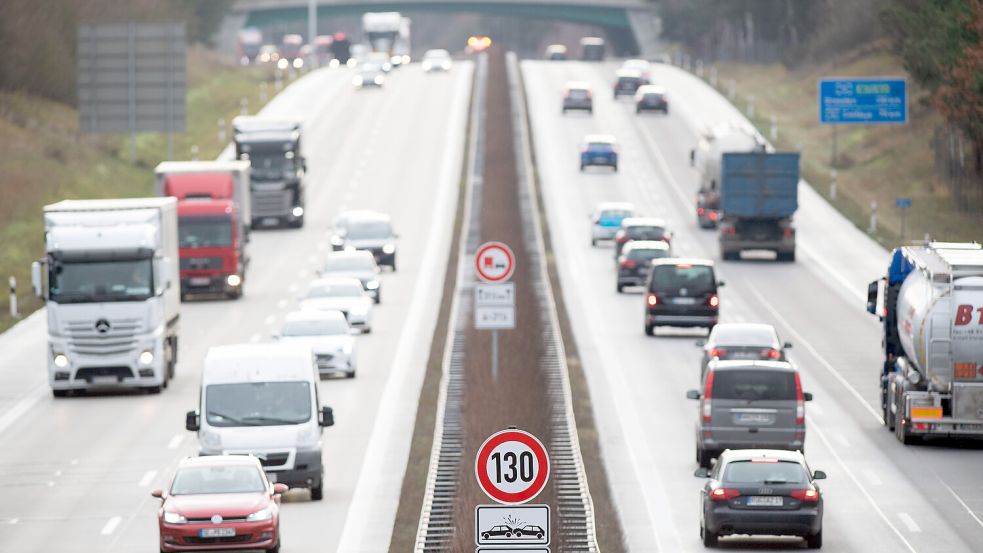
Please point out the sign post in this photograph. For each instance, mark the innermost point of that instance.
(494, 301)
(903, 204)
(512, 467)
(862, 100)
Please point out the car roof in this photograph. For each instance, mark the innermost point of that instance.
(632, 73)
(635, 61)
(646, 245)
(367, 216)
(738, 364)
(347, 253)
(334, 281)
(583, 85)
(628, 206)
(746, 326)
(683, 261)
(319, 315)
(651, 89)
(219, 460)
(643, 222)
(730, 455)
(600, 138)
(436, 52)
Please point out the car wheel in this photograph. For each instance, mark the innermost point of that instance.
(615, 167)
(582, 166)
(152, 390)
(275, 548)
(485, 536)
(815, 541)
(60, 393)
(709, 538)
(902, 434)
(787, 257)
(620, 287)
(649, 329)
(564, 111)
(638, 110)
(317, 492)
(350, 374)
(518, 533)
(298, 223)
(367, 330)
(539, 536)
(730, 256)
(593, 242)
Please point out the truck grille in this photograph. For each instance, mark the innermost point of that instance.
(193, 263)
(118, 336)
(273, 203)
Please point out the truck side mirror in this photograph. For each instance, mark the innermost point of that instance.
(819, 475)
(192, 421)
(807, 396)
(36, 280)
(327, 417)
(692, 157)
(702, 472)
(872, 297)
(692, 394)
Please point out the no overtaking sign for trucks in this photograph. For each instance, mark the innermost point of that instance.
(494, 262)
(512, 467)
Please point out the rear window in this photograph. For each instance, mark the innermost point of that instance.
(645, 233)
(600, 146)
(615, 214)
(696, 279)
(743, 336)
(754, 385)
(647, 255)
(750, 472)
(578, 93)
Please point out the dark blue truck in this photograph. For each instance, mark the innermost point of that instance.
(758, 196)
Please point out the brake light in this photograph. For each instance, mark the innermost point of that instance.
(724, 494)
(728, 231)
(699, 211)
(769, 353)
(714, 301)
(810, 496)
(713, 215)
(683, 265)
(788, 231)
(628, 264)
(652, 300)
(707, 396)
(764, 460)
(800, 404)
(719, 353)
(667, 238)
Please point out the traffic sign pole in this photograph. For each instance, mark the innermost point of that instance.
(494, 301)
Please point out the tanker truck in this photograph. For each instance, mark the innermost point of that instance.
(931, 305)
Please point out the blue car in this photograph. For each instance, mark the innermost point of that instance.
(606, 220)
(599, 149)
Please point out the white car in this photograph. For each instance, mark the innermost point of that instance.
(358, 264)
(327, 334)
(606, 220)
(436, 60)
(642, 66)
(369, 74)
(340, 294)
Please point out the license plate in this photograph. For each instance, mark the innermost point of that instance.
(764, 501)
(600, 159)
(104, 380)
(217, 532)
(199, 281)
(271, 221)
(753, 418)
(684, 301)
(271, 476)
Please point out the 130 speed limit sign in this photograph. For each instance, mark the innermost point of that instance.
(512, 467)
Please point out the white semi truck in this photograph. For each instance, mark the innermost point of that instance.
(931, 304)
(110, 280)
(382, 30)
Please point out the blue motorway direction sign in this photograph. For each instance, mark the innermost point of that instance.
(903, 203)
(863, 100)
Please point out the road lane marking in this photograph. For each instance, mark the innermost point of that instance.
(873, 478)
(963, 503)
(14, 520)
(269, 320)
(842, 440)
(147, 478)
(281, 304)
(816, 409)
(822, 360)
(860, 487)
(58, 473)
(22, 406)
(909, 522)
(255, 338)
(110, 526)
(175, 441)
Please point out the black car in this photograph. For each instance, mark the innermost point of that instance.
(500, 531)
(366, 230)
(681, 292)
(529, 531)
(640, 228)
(651, 98)
(761, 491)
(636, 261)
(742, 341)
(627, 81)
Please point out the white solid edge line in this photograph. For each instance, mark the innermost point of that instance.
(22, 406)
(909, 522)
(961, 502)
(365, 523)
(111, 525)
(836, 456)
(822, 361)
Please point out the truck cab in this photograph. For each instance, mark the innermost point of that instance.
(209, 240)
(278, 169)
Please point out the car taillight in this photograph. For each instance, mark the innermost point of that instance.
(724, 494)
(652, 300)
(718, 353)
(714, 301)
(628, 264)
(699, 211)
(800, 404)
(788, 231)
(810, 496)
(713, 215)
(769, 353)
(728, 231)
(707, 396)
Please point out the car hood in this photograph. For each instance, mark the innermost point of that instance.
(347, 304)
(228, 505)
(320, 344)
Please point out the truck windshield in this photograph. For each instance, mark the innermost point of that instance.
(204, 232)
(258, 403)
(270, 163)
(86, 281)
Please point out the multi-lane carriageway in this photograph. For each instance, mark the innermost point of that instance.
(78, 471)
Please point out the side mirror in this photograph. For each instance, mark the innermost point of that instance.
(819, 475)
(327, 417)
(280, 488)
(700, 343)
(159, 493)
(872, 289)
(720, 284)
(807, 396)
(692, 157)
(36, 280)
(702, 472)
(787, 345)
(692, 394)
(192, 421)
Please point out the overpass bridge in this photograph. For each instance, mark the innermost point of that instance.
(630, 25)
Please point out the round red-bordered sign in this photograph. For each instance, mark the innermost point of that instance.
(494, 262)
(512, 467)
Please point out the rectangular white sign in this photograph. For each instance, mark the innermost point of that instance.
(512, 525)
(494, 294)
(512, 550)
(494, 317)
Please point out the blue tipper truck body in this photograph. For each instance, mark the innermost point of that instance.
(758, 197)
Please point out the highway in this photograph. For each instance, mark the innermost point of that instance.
(79, 471)
(880, 496)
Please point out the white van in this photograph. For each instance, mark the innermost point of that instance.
(263, 399)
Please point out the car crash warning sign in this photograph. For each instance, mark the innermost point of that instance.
(494, 262)
(512, 467)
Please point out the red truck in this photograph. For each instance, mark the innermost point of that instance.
(213, 223)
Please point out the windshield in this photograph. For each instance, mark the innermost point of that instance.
(98, 281)
(754, 385)
(258, 403)
(324, 327)
(696, 279)
(346, 263)
(229, 479)
(204, 232)
(750, 472)
(369, 230)
(339, 290)
(743, 335)
(269, 162)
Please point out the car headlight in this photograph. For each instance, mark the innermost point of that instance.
(372, 285)
(446, 65)
(61, 360)
(334, 63)
(174, 518)
(406, 58)
(234, 280)
(282, 63)
(298, 211)
(389, 249)
(357, 81)
(378, 80)
(260, 515)
(146, 357)
(347, 348)
(298, 63)
(350, 248)
(426, 66)
(352, 62)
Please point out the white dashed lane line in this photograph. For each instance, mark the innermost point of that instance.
(175, 441)
(909, 522)
(148, 477)
(110, 526)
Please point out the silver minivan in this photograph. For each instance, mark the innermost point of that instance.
(749, 405)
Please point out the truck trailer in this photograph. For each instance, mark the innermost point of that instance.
(931, 306)
(110, 280)
(706, 157)
(278, 169)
